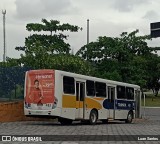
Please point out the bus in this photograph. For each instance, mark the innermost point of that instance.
(70, 96)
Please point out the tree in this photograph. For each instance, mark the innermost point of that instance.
(124, 58)
(51, 43)
(121, 49)
(153, 73)
(51, 50)
(11, 62)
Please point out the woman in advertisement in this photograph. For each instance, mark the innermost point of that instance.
(36, 94)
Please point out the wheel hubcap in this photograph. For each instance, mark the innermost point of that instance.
(93, 117)
(129, 117)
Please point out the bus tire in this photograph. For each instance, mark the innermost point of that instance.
(129, 117)
(93, 117)
(64, 121)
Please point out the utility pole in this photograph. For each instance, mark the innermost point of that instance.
(4, 35)
(87, 34)
(87, 31)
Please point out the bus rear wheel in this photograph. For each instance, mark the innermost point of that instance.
(93, 117)
(129, 118)
(64, 121)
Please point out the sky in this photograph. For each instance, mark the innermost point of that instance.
(106, 18)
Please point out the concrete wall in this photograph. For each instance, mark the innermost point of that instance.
(14, 111)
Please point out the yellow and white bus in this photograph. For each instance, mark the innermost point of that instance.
(69, 96)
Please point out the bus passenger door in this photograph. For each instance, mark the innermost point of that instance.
(80, 94)
(111, 101)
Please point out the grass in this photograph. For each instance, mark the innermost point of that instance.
(151, 101)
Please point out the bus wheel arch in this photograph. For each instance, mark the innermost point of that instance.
(93, 117)
(130, 117)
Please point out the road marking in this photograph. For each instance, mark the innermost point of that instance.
(150, 107)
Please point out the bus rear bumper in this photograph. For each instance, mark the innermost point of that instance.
(52, 112)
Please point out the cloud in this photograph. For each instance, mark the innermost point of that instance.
(151, 15)
(108, 18)
(42, 8)
(127, 5)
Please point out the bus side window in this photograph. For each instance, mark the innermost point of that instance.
(68, 85)
(121, 92)
(130, 93)
(90, 88)
(100, 89)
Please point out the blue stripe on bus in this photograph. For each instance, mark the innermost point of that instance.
(119, 104)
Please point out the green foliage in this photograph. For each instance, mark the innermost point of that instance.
(70, 63)
(127, 59)
(50, 51)
(64, 62)
(121, 49)
(50, 43)
(13, 62)
(52, 26)
(153, 65)
(138, 73)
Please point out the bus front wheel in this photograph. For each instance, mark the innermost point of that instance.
(129, 117)
(93, 117)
